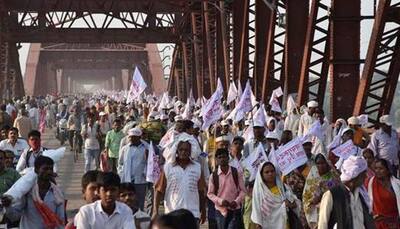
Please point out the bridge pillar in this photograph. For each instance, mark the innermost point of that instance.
(59, 73)
(125, 79)
(112, 82)
(69, 86)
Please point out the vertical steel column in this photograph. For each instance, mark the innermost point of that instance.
(296, 26)
(315, 63)
(262, 28)
(210, 41)
(382, 65)
(197, 30)
(344, 56)
(244, 43)
(224, 40)
(273, 76)
(239, 13)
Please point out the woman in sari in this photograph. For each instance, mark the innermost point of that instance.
(384, 193)
(270, 199)
(321, 178)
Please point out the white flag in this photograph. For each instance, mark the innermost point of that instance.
(273, 101)
(164, 101)
(259, 117)
(316, 130)
(137, 86)
(232, 93)
(187, 113)
(153, 168)
(291, 104)
(363, 119)
(239, 89)
(290, 156)
(213, 110)
(191, 98)
(245, 103)
(254, 160)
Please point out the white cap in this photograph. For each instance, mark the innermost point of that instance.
(258, 123)
(385, 119)
(312, 104)
(247, 122)
(223, 138)
(102, 113)
(353, 121)
(347, 129)
(272, 135)
(135, 132)
(178, 118)
(224, 123)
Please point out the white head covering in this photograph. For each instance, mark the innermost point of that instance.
(223, 138)
(170, 152)
(178, 118)
(268, 208)
(312, 104)
(272, 135)
(353, 121)
(352, 167)
(385, 119)
(135, 132)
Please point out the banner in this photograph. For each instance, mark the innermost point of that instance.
(345, 150)
(290, 156)
(363, 119)
(254, 160)
(232, 93)
(274, 102)
(153, 168)
(137, 86)
(213, 110)
(245, 103)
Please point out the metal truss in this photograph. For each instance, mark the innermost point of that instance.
(315, 65)
(382, 65)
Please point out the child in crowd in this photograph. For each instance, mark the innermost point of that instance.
(127, 195)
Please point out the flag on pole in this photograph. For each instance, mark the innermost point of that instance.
(273, 101)
(213, 109)
(290, 104)
(232, 93)
(153, 168)
(137, 86)
(245, 103)
(254, 160)
(164, 101)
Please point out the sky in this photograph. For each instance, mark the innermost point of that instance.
(366, 28)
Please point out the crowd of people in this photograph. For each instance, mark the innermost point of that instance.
(156, 151)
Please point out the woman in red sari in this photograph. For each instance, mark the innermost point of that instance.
(384, 192)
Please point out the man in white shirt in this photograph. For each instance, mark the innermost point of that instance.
(107, 212)
(30, 154)
(346, 206)
(307, 119)
(90, 133)
(13, 143)
(132, 163)
(181, 183)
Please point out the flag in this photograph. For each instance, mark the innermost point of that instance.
(153, 168)
(245, 103)
(213, 109)
(191, 98)
(290, 104)
(232, 93)
(363, 119)
(273, 101)
(316, 130)
(187, 113)
(259, 117)
(164, 101)
(137, 86)
(254, 160)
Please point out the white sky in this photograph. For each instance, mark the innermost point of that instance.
(366, 27)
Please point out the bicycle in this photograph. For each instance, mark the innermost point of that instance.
(77, 139)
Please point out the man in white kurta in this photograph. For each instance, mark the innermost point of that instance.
(307, 119)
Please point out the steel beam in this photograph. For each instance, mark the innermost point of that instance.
(315, 62)
(344, 56)
(84, 35)
(262, 28)
(274, 73)
(382, 65)
(296, 26)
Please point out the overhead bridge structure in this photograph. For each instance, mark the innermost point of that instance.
(311, 48)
